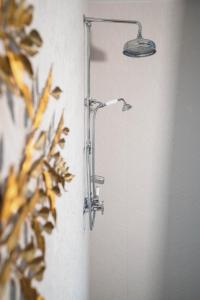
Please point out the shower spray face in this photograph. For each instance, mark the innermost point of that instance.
(126, 107)
(139, 47)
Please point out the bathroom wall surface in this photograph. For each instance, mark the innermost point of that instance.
(61, 25)
(146, 246)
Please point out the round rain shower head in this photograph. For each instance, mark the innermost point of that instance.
(139, 47)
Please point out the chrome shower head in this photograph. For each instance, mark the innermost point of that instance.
(99, 104)
(139, 47)
(125, 106)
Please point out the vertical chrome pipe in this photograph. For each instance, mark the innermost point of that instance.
(93, 152)
(88, 26)
(88, 134)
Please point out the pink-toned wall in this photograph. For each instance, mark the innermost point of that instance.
(139, 250)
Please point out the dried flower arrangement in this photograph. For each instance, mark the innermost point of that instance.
(28, 193)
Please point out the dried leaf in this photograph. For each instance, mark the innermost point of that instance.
(27, 64)
(48, 227)
(12, 200)
(13, 237)
(6, 72)
(49, 192)
(60, 167)
(61, 143)
(5, 66)
(22, 16)
(28, 291)
(36, 261)
(28, 43)
(33, 200)
(56, 156)
(56, 136)
(35, 264)
(18, 70)
(65, 130)
(52, 200)
(41, 242)
(40, 143)
(9, 12)
(44, 213)
(58, 161)
(5, 272)
(28, 253)
(38, 234)
(43, 101)
(40, 298)
(28, 46)
(36, 167)
(26, 161)
(57, 191)
(68, 177)
(39, 275)
(56, 92)
(36, 226)
(36, 38)
(53, 173)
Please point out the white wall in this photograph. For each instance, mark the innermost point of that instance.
(146, 246)
(61, 26)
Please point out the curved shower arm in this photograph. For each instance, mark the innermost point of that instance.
(122, 100)
(89, 20)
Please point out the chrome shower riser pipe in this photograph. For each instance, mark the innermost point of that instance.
(138, 47)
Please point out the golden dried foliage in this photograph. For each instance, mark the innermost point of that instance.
(18, 46)
(56, 92)
(28, 197)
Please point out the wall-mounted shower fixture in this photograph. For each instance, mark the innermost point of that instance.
(138, 47)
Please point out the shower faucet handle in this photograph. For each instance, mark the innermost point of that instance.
(98, 205)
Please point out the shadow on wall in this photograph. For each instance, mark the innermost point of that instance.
(182, 248)
(97, 54)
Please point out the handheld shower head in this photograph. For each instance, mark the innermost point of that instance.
(139, 47)
(99, 104)
(125, 106)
